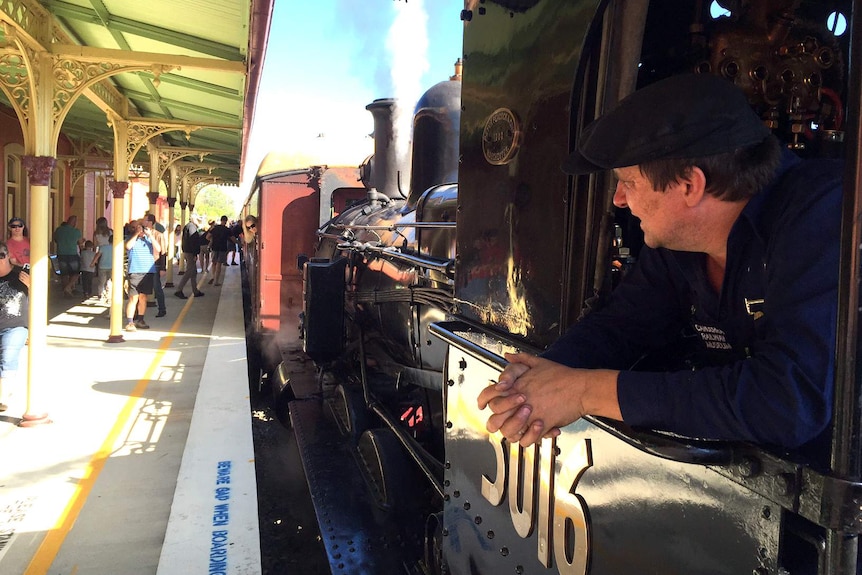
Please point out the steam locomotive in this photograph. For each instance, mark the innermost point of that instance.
(477, 244)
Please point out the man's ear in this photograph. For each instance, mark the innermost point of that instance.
(694, 186)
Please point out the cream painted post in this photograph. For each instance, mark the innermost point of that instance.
(117, 248)
(39, 174)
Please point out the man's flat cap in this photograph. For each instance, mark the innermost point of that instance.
(686, 116)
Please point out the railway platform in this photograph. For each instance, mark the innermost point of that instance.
(148, 465)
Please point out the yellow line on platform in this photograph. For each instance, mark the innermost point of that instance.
(54, 539)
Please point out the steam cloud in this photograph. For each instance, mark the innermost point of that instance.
(407, 42)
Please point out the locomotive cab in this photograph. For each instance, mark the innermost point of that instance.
(538, 249)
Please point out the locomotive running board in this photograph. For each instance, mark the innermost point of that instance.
(358, 536)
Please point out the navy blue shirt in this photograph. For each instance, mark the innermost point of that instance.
(753, 363)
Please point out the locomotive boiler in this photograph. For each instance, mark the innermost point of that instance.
(477, 243)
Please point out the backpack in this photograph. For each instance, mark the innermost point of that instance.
(191, 239)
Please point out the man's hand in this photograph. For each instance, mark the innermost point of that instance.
(534, 397)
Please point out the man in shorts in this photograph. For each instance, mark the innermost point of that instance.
(68, 239)
(150, 222)
(219, 237)
(143, 251)
(235, 231)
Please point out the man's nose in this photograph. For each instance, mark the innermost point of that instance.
(620, 197)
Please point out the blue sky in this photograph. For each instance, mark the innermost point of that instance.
(326, 60)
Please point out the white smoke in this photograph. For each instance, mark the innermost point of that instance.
(407, 42)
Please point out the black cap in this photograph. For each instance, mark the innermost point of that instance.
(687, 116)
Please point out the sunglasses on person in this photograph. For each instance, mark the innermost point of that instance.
(251, 226)
(16, 225)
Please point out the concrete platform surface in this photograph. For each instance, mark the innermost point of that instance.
(148, 464)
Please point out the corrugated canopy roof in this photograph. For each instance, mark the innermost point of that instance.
(192, 63)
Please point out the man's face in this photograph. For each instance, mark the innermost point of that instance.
(659, 211)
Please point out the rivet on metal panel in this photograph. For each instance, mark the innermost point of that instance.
(490, 534)
(448, 425)
(504, 551)
(748, 467)
(451, 382)
(456, 494)
(466, 506)
(519, 569)
(766, 512)
(477, 520)
(462, 365)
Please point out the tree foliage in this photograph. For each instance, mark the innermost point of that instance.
(213, 203)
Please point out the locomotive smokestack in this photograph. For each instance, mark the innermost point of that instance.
(390, 173)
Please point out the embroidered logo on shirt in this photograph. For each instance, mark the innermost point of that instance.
(749, 307)
(713, 337)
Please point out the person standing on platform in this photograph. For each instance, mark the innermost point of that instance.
(191, 249)
(14, 306)
(219, 237)
(88, 268)
(18, 243)
(161, 262)
(104, 262)
(102, 239)
(178, 242)
(102, 233)
(235, 232)
(143, 252)
(68, 240)
(205, 252)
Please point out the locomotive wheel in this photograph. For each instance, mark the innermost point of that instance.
(386, 468)
(351, 415)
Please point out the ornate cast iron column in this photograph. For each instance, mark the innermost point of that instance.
(118, 190)
(39, 174)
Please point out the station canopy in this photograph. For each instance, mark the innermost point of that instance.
(192, 66)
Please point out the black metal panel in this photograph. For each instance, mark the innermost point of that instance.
(323, 305)
(511, 256)
(359, 537)
(595, 503)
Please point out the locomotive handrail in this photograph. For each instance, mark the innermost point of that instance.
(667, 446)
(393, 227)
(442, 266)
